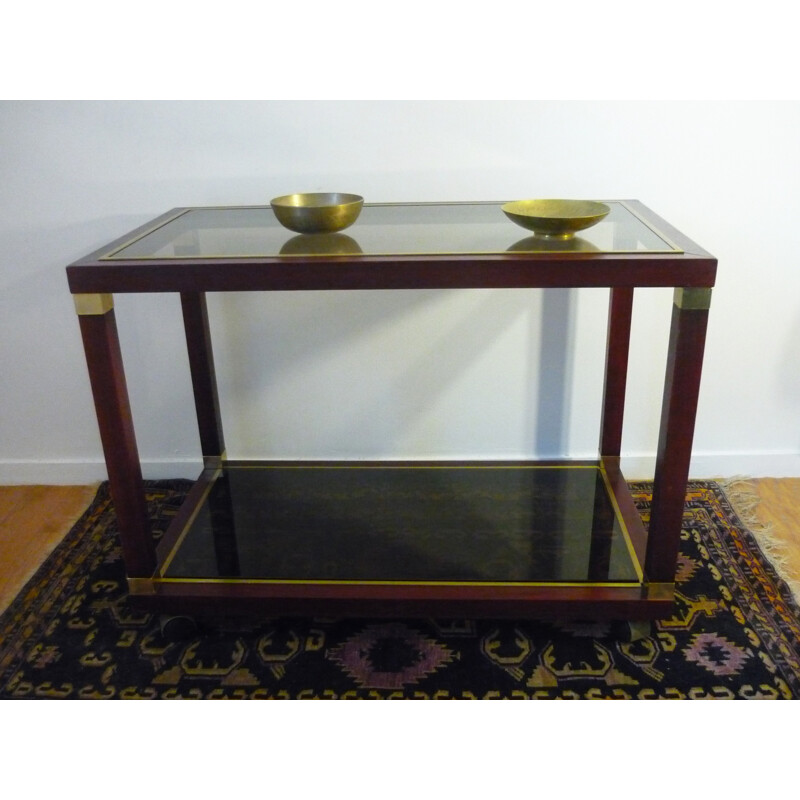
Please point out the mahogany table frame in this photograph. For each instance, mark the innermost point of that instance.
(691, 273)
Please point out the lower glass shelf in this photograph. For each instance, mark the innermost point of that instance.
(440, 524)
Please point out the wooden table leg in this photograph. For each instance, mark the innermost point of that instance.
(204, 383)
(681, 389)
(620, 309)
(107, 377)
(209, 422)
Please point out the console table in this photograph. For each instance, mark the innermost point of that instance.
(524, 538)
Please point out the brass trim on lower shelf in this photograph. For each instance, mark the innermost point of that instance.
(234, 464)
(331, 582)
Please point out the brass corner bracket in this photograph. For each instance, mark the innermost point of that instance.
(693, 298)
(141, 586)
(214, 462)
(660, 591)
(93, 304)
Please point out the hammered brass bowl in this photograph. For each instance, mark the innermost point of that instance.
(317, 212)
(558, 219)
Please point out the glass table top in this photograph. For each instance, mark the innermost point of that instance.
(382, 229)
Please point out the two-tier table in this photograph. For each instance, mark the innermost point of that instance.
(521, 538)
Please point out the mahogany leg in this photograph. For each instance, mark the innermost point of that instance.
(618, 338)
(602, 529)
(223, 527)
(107, 377)
(209, 422)
(620, 309)
(681, 389)
(201, 364)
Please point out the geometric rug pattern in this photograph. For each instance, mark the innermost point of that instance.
(734, 634)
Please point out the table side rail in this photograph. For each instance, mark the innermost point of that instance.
(352, 273)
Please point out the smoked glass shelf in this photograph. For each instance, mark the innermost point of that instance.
(451, 524)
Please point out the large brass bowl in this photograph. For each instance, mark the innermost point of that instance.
(559, 219)
(317, 212)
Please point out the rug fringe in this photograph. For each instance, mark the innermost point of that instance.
(745, 500)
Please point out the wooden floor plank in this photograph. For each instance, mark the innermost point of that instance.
(33, 520)
(779, 509)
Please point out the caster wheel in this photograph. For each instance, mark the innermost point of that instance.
(176, 628)
(633, 630)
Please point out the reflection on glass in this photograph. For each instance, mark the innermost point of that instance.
(321, 244)
(542, 244)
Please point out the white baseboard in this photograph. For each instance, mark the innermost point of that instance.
(80, 473)
(635, 467)
(721, 465)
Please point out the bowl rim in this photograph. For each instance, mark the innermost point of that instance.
(348, 199)
(602, 208)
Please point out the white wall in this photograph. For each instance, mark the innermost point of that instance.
(440, 374)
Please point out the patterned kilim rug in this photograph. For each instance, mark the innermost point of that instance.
(735, 633)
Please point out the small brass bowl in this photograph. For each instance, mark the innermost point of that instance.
(317, 212)
(558, 219)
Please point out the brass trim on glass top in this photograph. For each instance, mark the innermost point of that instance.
(354, 250)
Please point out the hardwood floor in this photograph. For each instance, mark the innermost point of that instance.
(779, 509)
(34, 519)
